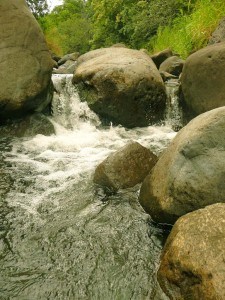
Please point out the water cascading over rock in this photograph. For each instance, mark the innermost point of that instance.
(61, 237)
(26, 64)
(121, 85)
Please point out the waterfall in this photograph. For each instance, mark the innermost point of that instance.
(174, 115)
(61, 237)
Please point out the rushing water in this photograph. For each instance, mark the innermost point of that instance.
(62, 237)
(174, 114)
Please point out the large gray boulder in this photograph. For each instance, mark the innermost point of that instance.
(202, 79)
(126, 167)
(121, 85)
(26, 63)
(190, 174)
(192, 262)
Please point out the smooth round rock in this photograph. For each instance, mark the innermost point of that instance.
(190, 174)
(202, 79)
(26, 63)
(122, 86)
(192, 263)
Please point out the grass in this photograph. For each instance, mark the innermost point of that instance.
(188, 33)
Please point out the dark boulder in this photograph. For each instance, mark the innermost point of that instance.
(28, 126)
(158, 58)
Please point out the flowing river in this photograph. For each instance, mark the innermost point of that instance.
(62, 237)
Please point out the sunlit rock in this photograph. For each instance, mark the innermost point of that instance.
(190, 174)
(125, 167)
(202, 79)
(122, 86)
(192, 263)
(26, 63)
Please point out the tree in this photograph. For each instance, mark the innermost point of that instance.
(68, 27)
(39, 8)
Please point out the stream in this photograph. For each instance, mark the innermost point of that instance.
(61, 236)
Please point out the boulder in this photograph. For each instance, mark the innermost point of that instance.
(67, 68)
(219, 34)
(167, 76)
(202, 79)
(54, 56)
(125, 167)
(192, 263)
(190, 174)
(158, 58)
(121, 85)
(26, 63)
(172, 65)
(71, 56)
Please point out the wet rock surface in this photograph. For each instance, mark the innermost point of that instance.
(172, 65)
(121, 85)
(28, 126)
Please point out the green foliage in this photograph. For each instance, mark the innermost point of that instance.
(188, 33)
(38, 7)
(81, 25)
(67, 28)
(131, 21)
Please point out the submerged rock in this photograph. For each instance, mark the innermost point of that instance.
(192, 263)
(26, 63)
(202, 79)
(126, 167)
(190, 173)
(121, 85)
